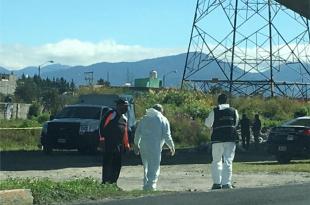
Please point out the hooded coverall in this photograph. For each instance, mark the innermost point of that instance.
(152, 132)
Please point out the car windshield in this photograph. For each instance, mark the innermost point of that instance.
(80, 112)
(299, 122)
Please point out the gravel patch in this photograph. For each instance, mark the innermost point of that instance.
(188, 177)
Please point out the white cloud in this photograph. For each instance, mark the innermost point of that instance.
(76, 52)
(257, 58)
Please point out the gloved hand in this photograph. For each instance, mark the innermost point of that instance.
(136, 149)
(172, 151)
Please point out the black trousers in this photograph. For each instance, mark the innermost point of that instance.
(111, 166)
(256, 138)
(245, 140)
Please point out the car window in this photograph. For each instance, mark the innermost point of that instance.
(80, 112)
(300, 122)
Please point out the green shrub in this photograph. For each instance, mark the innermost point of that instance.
(29, 123)
(176, 98)
(34, 110)
(19, 123)
(270, 123)
(272, 110)
(248, 105)
(187, 131)
(303, 111)
(184, 109)
(43, 118)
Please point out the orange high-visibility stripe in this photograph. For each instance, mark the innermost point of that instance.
(125, 138)
(101, 138)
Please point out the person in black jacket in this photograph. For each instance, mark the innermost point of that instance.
(223, 120)
(256, 128)
(114, 134)
(245, 131)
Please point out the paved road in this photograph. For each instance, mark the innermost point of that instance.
(36, 160)
(282, 195)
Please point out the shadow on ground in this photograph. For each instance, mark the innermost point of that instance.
(37, 160)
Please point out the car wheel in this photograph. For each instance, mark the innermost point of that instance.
(47, 149)
(283, 159)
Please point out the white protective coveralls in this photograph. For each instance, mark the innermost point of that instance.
(152, 132)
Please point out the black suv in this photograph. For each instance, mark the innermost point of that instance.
(291, 139)
(75, 127)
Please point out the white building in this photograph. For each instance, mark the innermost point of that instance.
(7, 84)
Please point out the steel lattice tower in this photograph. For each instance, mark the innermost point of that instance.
(248, 47)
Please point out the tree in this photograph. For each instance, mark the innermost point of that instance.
(34, 110)
(51, 101)
(72, 86)
(26, 91)
(43, 91)
(103, 82)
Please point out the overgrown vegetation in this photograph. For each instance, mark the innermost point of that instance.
(20, 123)
(272, 111)
(186, 110)
(46, 191)
(19, 139)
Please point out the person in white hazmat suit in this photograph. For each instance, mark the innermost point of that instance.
(152, 132)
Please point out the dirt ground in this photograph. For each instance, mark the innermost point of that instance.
(189, 170)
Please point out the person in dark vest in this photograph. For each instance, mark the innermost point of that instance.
(223, 121)
(256, 128)
(114, 135)
(245, 131)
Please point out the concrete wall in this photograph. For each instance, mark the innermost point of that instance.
(16, 111)
(7, 84)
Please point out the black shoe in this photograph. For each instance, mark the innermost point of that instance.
(216, 186)
(228, 186)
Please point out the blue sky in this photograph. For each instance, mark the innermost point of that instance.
(82, 32)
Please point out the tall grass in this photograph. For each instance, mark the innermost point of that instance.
(186, 111)
(272, 111)
(19, 123)
(21, 139)
(46, 191)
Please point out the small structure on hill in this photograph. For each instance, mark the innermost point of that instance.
(151, 82)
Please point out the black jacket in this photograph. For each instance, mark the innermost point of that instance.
(224, 129)
(114, 133)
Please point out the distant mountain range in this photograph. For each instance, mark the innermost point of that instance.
(124, 72)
